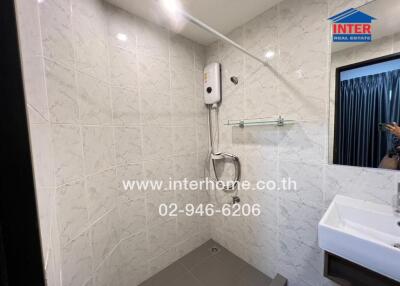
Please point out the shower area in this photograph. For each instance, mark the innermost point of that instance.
(112, 96)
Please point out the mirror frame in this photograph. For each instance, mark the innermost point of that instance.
(378, 60)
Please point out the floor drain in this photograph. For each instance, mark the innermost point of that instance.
(214, 249)
(396, 245)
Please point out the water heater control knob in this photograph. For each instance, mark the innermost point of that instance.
(209, 89)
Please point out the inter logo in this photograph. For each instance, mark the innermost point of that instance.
(351, 26)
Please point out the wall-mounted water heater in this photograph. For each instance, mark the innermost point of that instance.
(212, 83)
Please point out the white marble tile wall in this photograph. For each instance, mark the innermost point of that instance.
(101, 110)
(284, 239)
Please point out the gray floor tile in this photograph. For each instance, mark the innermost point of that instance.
(233, 262)
(203, 268)
(186, 280)
(198, 255)
(166, 276)
(213, 272)
(253, 277)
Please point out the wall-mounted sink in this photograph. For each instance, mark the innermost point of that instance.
(365, 233)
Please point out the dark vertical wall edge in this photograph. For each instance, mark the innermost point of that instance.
(21, 260)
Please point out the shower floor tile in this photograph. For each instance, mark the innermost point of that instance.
(203, 267)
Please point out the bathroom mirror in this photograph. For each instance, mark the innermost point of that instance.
(365, 89)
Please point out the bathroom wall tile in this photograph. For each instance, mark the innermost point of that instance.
(56, 30)
(128, 144)
(109, 271)
(61, 92)
(68, 157)
(202, 135)
(261, 33)
(261, 147)
(306, 185)
(121, 28)
(89, 24)
(91, 17)
(264, 262)
(304, 79)
(131, 203)
(212, 53)
(34, 117)
(153, 147)
(155, 108)
(161, 237)
(261, 86)
(154, 88)
(89, 283)
(34, 85)
(52, 271)
(29, 28)
(133, 172)
(133, 213)
(45, 202)
(381, 47)
(185, 166)
(134, 258)
(182, 51)
(232, 61)
(123, 70)
(105, 235)
(42, 153)
(153, 74)
(261, 97)
(159, 171)
(160, 262)
(182, 96)
(72, 210)
(91, 54)
(360, 183)
(191, 242)
(303, 142)
(152, 40)
(260, 37)
(396, 43)
(98, 147)
(102, 193)
(125, 105)
(184, 140)
(300, 262)
(337, 6)
(186, 226)
(299, 221)
(55, 251)
(94, 100)
(76, 261)
(233, 106)
(154, 198)
(199, 57)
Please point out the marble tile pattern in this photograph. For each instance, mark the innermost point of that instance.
(295, 85)
(110, 97)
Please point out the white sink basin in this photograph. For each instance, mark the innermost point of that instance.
(364, 233)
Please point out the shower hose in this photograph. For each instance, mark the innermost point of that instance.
(215, 155)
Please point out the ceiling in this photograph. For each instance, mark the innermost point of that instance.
(387, 21)
(222, 15)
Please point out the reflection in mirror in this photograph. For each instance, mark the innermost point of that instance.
(365, 94)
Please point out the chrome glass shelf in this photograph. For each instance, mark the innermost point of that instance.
(280, 121)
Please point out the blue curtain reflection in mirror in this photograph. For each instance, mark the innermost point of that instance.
(364, 103)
